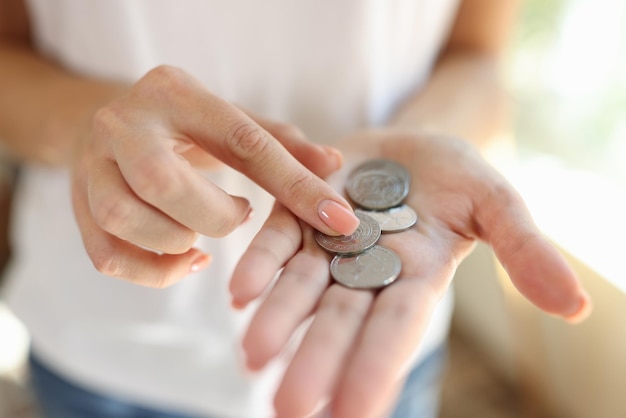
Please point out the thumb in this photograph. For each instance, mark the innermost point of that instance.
(536, 268)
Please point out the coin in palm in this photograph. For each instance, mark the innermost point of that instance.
(365, 236)
(375, 268)
(378, 184)
(397, 219)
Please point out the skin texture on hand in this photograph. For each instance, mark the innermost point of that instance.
(140, 204)
(357, 347)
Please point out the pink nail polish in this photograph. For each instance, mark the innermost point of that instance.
(237, 305)
(249, 215)
(337, 217)
(199, 263)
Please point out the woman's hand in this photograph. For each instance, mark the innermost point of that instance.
(139, 200)
(356, 350)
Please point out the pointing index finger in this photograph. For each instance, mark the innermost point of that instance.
(229, 134)
(251, 150)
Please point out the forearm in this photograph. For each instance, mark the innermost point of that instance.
(45, 111)
(464, 97)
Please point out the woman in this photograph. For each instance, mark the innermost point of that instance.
(123, 115)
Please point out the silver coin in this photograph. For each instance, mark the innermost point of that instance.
(363, 238)
(377, 267)
(378, 184)
(395, 219)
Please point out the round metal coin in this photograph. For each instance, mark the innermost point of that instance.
(395, 219)
(377, 267)
(363, 238)
(378, 184)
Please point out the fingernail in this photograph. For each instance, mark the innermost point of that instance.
(338, 217)
(249, 215)
(582, 311)
(237, 305)
(199, 263)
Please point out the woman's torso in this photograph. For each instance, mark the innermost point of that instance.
(328, 67)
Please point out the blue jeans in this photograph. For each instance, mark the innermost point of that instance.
(59, 398)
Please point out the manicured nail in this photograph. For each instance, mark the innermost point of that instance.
(583, 310)
(199, 263)
(338, 217)
(249, 215)
(237, 305)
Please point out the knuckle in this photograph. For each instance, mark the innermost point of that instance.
(224, 226)
(183, 243)
(112, 213)
(312, 274)
(101, 119)
(349, 305)
(281, 232)
(150, 179)
(166, 76)
(105, 119)
(107, 262)
(500, 193)
(310, 278)
(111, 264)
(266, 252)
(162, 281)
(162, 84)
(298, 184)
(402, 311)
(166, 72)
(246, 142)
(496, 202)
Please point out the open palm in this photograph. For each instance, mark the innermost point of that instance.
(355, 350)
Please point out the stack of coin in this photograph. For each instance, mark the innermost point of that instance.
(377, 188)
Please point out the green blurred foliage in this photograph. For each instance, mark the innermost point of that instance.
(583, 128)
(538, 19)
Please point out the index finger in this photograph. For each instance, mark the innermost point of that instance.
(232, 136)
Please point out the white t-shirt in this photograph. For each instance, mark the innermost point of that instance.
(329, 67)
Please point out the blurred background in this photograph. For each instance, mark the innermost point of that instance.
(566, 72)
